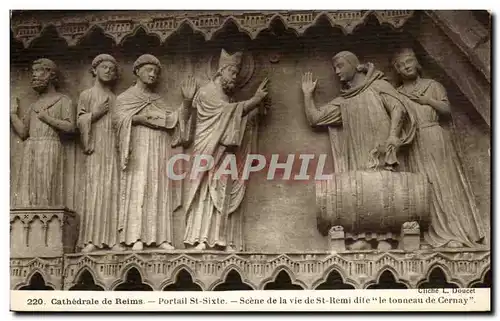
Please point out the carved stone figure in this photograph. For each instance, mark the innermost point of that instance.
(142, 123)
(40, 180)
(99, 184)
(223, 128)
(455, 221)
(368, 124)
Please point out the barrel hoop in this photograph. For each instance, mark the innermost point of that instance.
(338, 193)
(359, 217)
(329, 185)
(406, 197)
(392, 207)
(385, 198)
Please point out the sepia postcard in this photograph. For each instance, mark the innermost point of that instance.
(210, 160)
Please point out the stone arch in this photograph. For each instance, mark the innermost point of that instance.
(484, 281)
(387, 278)
(232, 280)
(283, 279)
(85, 280)
(437, 277)
(132, 280)
(35, 281)
(334, 279)
(182, 280)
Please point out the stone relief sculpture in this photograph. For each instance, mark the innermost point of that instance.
(223, 128)
(455, 221)
(368, 124)
(142, 122)
(40, 180)
(99, 194)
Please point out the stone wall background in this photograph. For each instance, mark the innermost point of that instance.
(279, 216)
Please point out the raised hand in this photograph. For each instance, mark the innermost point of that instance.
(308, 85)
(188, 88)
(14, 106)
(262, 90)
(104, 106)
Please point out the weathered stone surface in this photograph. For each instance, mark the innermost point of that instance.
(208, 269)
(42, 232)
(280, 242)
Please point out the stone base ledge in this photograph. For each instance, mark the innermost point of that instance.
(42, 231)
(23, 272)
(308, 270)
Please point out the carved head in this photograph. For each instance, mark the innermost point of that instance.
(147, 68)
(406, 64)
(104, 67)
(229, 68)
(346, 65)
(44, 73)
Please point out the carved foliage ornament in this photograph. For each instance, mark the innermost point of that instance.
(119, 25)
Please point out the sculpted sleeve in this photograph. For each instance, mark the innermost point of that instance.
(84, 122)
(328, 115)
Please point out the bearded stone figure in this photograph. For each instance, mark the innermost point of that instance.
(146, 131)
(40, 179)
(99, 180)
(224, 129)
(455, 221)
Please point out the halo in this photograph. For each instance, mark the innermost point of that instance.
(246, 70)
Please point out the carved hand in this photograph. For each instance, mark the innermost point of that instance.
(14, 106)
(104, 106)
(308, 85)
(422, 100)
(188, 88)
(139, 119)
(43, 115)
(392, 141)
(261, 91)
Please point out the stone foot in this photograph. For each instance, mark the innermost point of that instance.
(360, 245)
(336, 239)
(166, 246)
(118, 248)
(425, 247)
(453, 244)
(230, 248)
(138, 246)
(384, 246)
(89, 248)
(201, 247)
(410, 236)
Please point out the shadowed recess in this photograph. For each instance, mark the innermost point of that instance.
(141, 42)
(185, 40)
(183, 282)
(94, 43)
(233, 282)
(485, 283)
(230, 38)
(86, 283)
(133, 282)
(387, 281)
(282, 282)
(437, 279)
(334, 281)
(37, 283)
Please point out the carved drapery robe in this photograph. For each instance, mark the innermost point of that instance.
(454, 215)
(212, 203)
(98, 190)
(40, 181)
(147, 196)
(358, 121)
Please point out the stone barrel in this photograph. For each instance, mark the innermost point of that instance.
(372, 201)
